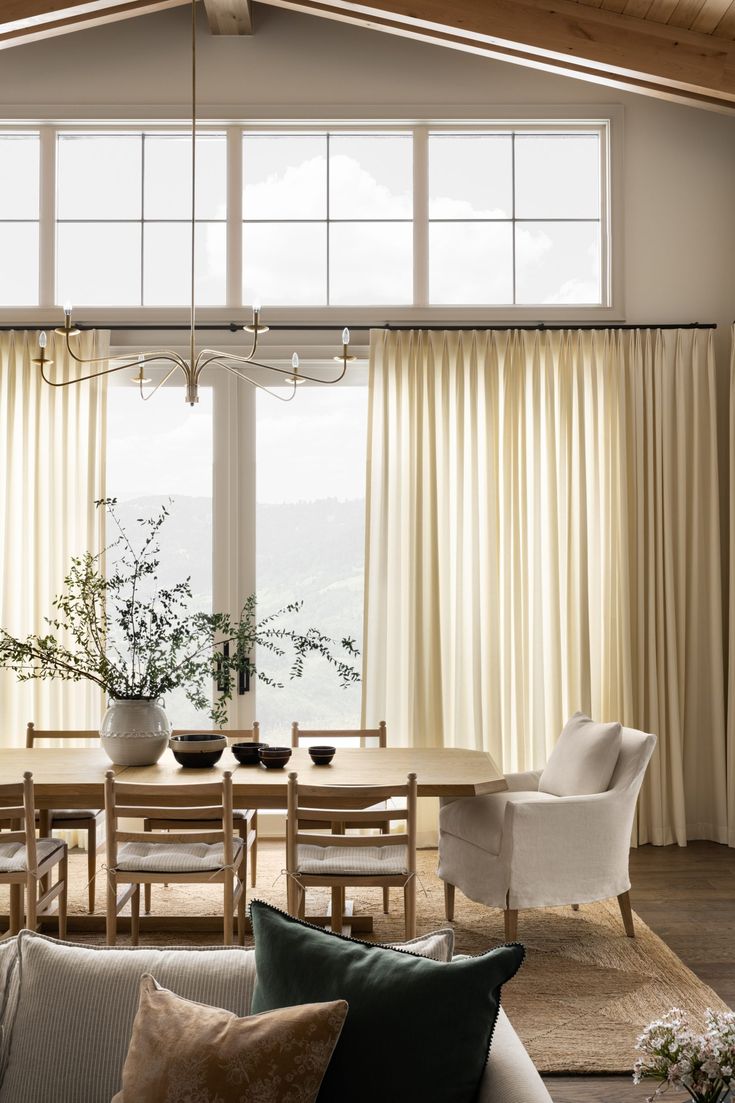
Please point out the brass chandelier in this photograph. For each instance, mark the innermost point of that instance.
(193, 367)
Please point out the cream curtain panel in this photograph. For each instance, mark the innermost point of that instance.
(543, 535)
(52, 454)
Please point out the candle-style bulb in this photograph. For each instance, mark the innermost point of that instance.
(42, 340)
(67, 309)
(256, 306)
(295, 361)
(345, 336)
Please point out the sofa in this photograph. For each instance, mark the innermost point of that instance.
(67, 1010)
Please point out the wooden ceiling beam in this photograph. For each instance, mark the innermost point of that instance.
(558, 35)
(229, 16)
(23, 21)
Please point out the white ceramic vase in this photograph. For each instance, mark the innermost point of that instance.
(135, 731)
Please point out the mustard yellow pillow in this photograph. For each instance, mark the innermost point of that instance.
(185, 1052)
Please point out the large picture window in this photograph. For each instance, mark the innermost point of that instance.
(431, 218)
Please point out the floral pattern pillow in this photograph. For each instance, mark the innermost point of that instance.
(185, 1052)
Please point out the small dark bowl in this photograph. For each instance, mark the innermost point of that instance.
(197, 750)
(247, 754)
(275, 758)
(322, 756)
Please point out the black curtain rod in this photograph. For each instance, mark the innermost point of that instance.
(359, 327)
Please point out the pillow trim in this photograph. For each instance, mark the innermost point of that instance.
(126, 947)
(384, 945)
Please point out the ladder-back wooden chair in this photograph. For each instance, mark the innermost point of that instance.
(377, 737)
(25, 861)
(245, 819)
(318, 860)
(206, 856)
(72, 819)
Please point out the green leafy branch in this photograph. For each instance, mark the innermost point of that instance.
(133, 638)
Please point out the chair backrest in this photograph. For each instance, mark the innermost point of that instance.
(325, 735)
(233, 735)
(33, 735)
(635, 754)
(17, 806)
(209, 802)
(310, 807)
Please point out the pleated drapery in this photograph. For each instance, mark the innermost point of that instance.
(543, 535)
(52, 455)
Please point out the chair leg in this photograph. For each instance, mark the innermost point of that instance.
(511, 924)
(92, 864)
(627, 913)
(16, 908)
(135, 916)
(242, 876)
(409, 907)
(111, 923)
(386, 901)
(147, 888)
(338, 908)
(300, 902)
(575, 907)
(229, 907)
(64, 894)
(31, 902)
(254, 851)
(449, 901)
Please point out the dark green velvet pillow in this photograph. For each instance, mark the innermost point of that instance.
(416, 1028)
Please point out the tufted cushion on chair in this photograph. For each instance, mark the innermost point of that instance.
(479, 820)
(13, 855)
(173, 857)
(584, 758)
(352, 860)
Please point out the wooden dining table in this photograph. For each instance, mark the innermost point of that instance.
(73, 777)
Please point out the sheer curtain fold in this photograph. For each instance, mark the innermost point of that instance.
(52, 453)
(543, 535)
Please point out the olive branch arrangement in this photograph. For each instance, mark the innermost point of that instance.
(138, 640)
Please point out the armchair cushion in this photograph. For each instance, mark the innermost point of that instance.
(479, 820)
(584, 758)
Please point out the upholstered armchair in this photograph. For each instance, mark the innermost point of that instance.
(528, 847)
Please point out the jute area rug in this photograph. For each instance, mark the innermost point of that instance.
(581, 999)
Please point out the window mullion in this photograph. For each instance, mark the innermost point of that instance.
(47, 218)
(421, 216)
(234, 216)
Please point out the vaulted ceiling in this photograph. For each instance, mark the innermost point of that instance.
(677, 49)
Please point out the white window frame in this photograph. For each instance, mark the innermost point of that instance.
(607, 123)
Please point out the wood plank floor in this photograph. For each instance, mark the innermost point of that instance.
(687, 896)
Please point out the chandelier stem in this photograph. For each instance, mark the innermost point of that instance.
(193, 176)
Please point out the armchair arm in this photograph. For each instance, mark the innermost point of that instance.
(523, 782)
(568, 850)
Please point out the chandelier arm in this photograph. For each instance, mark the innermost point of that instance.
(142, 358)
(220, 357)
(246, 379)
(81, 378)
(158, 385)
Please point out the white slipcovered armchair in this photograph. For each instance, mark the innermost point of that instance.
(529, 848)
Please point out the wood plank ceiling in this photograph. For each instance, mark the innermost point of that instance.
(716, 17)
(676, 49)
